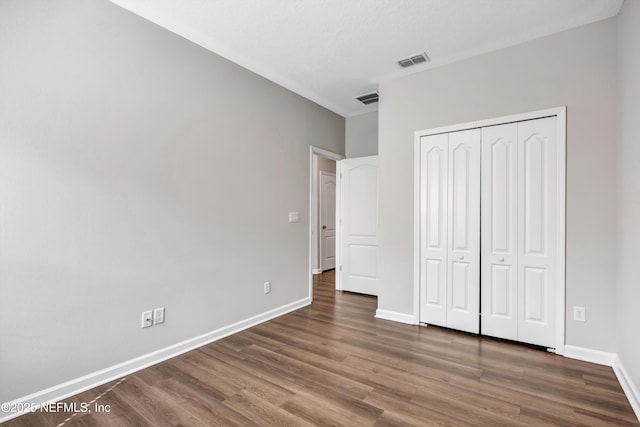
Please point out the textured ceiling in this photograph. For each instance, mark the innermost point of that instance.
(333, 50)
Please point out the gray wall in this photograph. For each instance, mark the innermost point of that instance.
(138, 170)
(361, 135)
(629, 189)
(576, 68)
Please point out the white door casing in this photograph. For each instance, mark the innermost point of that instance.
(327, 220)
(358, 225)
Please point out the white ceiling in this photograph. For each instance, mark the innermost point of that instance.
(333, 50)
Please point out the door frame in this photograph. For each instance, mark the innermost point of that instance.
(320, 197)
(313, 204)
(561, 114)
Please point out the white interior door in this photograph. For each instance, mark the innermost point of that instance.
(499, 268)
(489, 218)
(450, 230)
(327, 221)
(463, 266)
(358, 182)
(519, 226)
(434, 253)
(537, 230)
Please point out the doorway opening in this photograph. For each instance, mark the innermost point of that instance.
(322, 212)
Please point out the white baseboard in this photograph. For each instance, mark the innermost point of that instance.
(78, 385)
(316, 271)
(395, 316)
(589, 355)
(608, 359)
(628, 386)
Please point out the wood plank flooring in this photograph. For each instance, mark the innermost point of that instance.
(333, 363)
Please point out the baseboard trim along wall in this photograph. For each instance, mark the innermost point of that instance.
(589, 355)
(95, 379)
(395, 316)
(628, 386)
(608, 359)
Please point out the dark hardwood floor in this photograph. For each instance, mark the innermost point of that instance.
(333, 363)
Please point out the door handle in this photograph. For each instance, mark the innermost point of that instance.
(324, 227)
(461, 257)
(501, 259)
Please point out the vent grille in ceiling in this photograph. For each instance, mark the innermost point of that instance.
(413, 60)
(368, 98)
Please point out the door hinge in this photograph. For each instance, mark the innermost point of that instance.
(340, 268)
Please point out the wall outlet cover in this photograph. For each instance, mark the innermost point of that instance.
(158, 315)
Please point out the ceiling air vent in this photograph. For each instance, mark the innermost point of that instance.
(413, 60)
(368, 98)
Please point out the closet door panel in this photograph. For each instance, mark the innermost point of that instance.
(537, 207)
(502, 286)
(463, 272)
(434, 162)
(499, 287)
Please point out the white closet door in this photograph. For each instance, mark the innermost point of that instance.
(537, 223)
(499, 231)
(463, 266)
(433, 229)
(489, 223)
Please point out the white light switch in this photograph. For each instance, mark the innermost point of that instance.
(294, 216)
(579, 314)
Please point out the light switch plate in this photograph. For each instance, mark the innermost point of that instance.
(579, 314)
(294, 216)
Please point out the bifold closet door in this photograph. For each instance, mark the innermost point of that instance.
(519, 226)
(499, 231)
(463, 275)
(434, 176)
(450, 230)
(537, 230)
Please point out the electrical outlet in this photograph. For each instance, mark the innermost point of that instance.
(267, 287)
(147, 319)
(294, 216)
(579, 314)
(158, 315)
